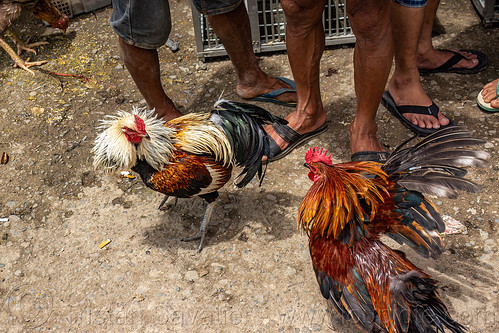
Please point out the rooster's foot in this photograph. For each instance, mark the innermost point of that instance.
(202, 229)
(22, 45)
(27, 64)
(17, 60)
(28, 47)
(200, 234)
(162, 205)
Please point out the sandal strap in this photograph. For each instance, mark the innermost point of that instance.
(289, 82)
(426, 110)
(286, 133)
(457, 57)
(277, 92)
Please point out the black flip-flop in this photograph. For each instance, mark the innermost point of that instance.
(446, 67)
(399, 110)
(372, 156)
(292, 137)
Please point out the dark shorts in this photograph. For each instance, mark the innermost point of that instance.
(215, 7)
(412, 3)
(147, 24)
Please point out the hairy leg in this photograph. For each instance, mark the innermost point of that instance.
(143, 65)
(405, 84)
(305, 42)
(233, 29)
(372, 62)
(428, 56)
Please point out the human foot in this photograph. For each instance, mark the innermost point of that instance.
(298, 130)
(488, 98)
(166, 110)
(403, 112)
(451, 61)
(268, 89)
(413, 95)
(363, 138)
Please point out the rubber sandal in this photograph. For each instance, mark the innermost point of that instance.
(398, 112)
(484, 105)
(373, 156)
(271, 97)
(292, 137)
(446, 67)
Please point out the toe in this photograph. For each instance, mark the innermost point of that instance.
(495, 103)
(488, 95)
(422, 123)
(429, 123)
(442, 120)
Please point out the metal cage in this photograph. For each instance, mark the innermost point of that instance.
(75, 7)
(268, 28)
(488, 9)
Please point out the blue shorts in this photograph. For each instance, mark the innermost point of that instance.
(412, 3)
(147, 24)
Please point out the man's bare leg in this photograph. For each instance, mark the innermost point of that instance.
(373, 54)
(305, 42)
(405, 84)
(143, 65)
(233, 29)
(428, 56)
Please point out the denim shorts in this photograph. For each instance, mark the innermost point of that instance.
(147, 24)
(412, 3)
(215, 7)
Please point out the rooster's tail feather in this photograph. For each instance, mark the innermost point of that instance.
(417, 307)
(243, 125)
(432, 166)
(446, 150)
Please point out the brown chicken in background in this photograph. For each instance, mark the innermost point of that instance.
(350, 205)
(42, 9)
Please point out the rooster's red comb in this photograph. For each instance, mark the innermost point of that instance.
(316, 155)
(141, 126)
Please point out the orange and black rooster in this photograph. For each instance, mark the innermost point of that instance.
(42, 9)
(192, 155)
(350, 205)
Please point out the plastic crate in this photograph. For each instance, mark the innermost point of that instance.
(268, 28)
(75, 7)
(488, 9)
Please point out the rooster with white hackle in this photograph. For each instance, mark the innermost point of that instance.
(192, 155)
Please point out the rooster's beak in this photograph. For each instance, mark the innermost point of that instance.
(146, 136)
(306, 165)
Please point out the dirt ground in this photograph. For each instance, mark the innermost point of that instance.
(254, 274)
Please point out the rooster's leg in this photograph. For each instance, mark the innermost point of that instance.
(17, 59)
(168, 206)
(20, 44)
(202, 229)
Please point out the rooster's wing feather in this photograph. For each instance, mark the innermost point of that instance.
(187, 176)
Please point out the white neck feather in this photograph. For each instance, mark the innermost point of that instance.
(113, 151)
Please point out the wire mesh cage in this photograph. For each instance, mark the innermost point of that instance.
(268, 28)
(488, 9)
(75, 7)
